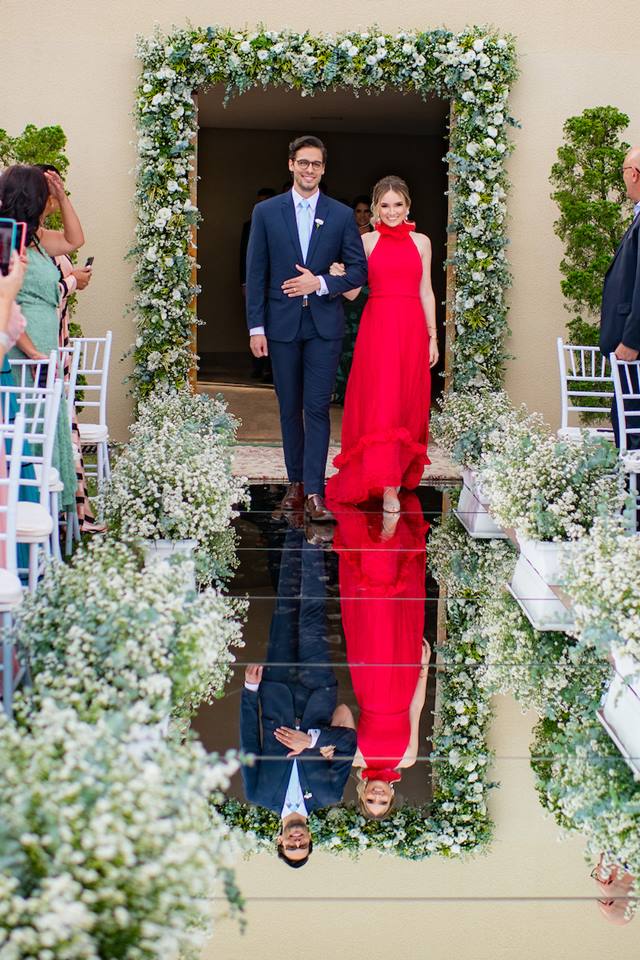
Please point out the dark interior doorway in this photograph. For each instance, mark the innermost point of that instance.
(243, 147)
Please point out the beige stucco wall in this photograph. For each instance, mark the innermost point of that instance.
(75, 65)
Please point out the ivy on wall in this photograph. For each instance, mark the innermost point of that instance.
(474, 69)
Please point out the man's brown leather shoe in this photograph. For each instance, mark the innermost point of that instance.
(293, 497)
(316, 509)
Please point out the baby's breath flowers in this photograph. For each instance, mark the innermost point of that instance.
(110, 844)
(102, 632)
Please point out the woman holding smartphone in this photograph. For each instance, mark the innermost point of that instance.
(72, 279)
(24, 194)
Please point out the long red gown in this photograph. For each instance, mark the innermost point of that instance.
(386, 411)
(382, 597)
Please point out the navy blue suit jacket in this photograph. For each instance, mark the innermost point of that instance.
(322, 780)
(620, 316)
(274, 250)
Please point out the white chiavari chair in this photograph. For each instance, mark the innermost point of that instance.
(95, 356)
(585, 379)
(626, 384)
(69, 357)
(34, 523)
(43, 373)
(10, 586)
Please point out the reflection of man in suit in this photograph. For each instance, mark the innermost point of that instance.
(620, 318)
(289, 715)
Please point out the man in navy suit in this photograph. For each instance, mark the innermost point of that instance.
(620, 317)
(295, 314)
(289, 717)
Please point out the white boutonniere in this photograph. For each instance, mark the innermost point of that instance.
(318, 222)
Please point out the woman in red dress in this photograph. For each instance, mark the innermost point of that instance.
(386, 412)
(382, 597)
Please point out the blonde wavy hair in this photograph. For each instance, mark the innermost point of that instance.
(392, 182)
(361, 786)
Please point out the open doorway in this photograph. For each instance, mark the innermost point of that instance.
(243, 148)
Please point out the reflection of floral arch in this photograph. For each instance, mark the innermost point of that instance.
(474, 69)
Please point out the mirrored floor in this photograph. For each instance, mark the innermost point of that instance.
(382, 764)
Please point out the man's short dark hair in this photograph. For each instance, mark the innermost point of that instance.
(294, 863)
(307, 141)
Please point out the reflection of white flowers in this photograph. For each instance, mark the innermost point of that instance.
(475, 67)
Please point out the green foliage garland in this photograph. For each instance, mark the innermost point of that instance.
(593, 216)
(474, 68)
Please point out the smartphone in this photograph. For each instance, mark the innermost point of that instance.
(7, 243)
(21, 237)
(89, 262)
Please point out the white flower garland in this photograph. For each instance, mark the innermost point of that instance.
(474, 68)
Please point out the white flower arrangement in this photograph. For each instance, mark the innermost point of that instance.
(110, 844)
(543, 671)
(474, 68)
(583, 780)
(470, 424)
(601, 577)
(174, 481)
(550, 489)
(102, 633)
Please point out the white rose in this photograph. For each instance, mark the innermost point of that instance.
(263, 55)
(478, 45)
(245, 47)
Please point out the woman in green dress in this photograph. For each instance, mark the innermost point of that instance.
(24, 191)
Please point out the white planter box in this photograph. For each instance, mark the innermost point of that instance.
(544, 556)
(159, 551)
(543, 609)
(472, 511)
(620, 716)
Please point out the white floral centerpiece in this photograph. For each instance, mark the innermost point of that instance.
(544, 671)
(602, 579)
(102, 633)
(470, 424)
(174, 481)
(583, 781)
(550, 489)
(109, 843)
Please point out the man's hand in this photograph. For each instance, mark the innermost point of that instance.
(295, 740)
(303, 285)
(626, 353)
(258, 345)
(253, 673)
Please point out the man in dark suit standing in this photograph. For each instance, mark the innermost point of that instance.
(289, 717)
(620, 317)
(295, 315)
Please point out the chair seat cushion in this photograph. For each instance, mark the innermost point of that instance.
(93, 432)
(10, 590)
(33, 522)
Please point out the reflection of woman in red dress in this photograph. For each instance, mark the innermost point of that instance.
(386, 413)
(382, 594)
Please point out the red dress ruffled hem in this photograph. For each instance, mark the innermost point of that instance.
(391, 458)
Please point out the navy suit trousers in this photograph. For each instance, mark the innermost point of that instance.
(304, 374)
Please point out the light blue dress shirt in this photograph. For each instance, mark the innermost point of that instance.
(303, 228)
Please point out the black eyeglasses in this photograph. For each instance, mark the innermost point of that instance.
(630, 168)
(305, 164)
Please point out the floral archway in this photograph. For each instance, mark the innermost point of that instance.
(474, 69)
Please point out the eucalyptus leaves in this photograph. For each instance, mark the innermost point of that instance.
(474, 68)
